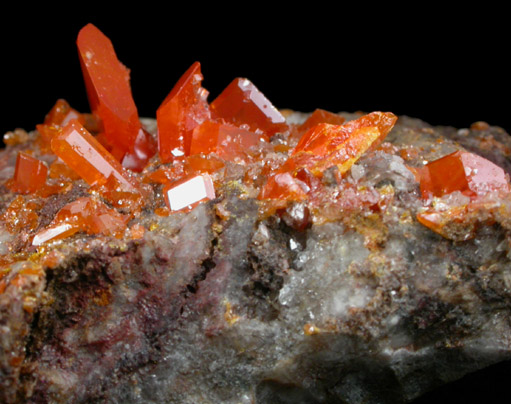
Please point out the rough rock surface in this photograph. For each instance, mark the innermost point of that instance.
(220, 306)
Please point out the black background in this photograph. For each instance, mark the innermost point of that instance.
(445, 68)
(448, 69)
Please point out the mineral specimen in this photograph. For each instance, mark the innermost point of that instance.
(261, 256)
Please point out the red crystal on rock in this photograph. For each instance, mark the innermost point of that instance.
(326, 145)
(182, 110)
(108, 88)
(226, 141)
(241, 103)
(284, 186)
(85, 214)
(29, 174)
(87, 157)
(367, 130)
(462, 171)
(62, 113)
(189, 192)
(317, 117)
(59, 116)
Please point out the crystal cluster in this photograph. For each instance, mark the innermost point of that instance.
(230, 252)
(199, 145)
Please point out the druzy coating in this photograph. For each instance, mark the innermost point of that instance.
(241, 103)
(182, 110)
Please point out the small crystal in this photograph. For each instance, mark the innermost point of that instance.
(62, 113)
(284, 186)
(317, 117)
(84, 214)
(189, 192)
(29, 174)
(58, 232)
(462, 171)
(143, 150)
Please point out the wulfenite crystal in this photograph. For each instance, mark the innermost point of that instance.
(29, 174)
(182, 110)
(108, 88)
(241, 103)
(462, 171)
(188, 192)
(86, 156)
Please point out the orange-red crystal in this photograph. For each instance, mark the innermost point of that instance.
(241, 103)
(84, 214)
(143, 149)
(226, 141)
(284, 186)
(317, 117)
(62, 113)
(29, 174)
(182, 110)
(462, 171)
(87, 157)
(326, 145)
(108, 88)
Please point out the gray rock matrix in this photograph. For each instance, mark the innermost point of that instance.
(231, 308)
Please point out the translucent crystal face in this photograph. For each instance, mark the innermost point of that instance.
(108, 88)
(462, 171)
(180, 113)
(189, 192)
(86, 156)
(29, 174)
(241, 103)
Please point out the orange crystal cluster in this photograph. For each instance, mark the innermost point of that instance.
(323, 146)
(84, 214)
(199, 145)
